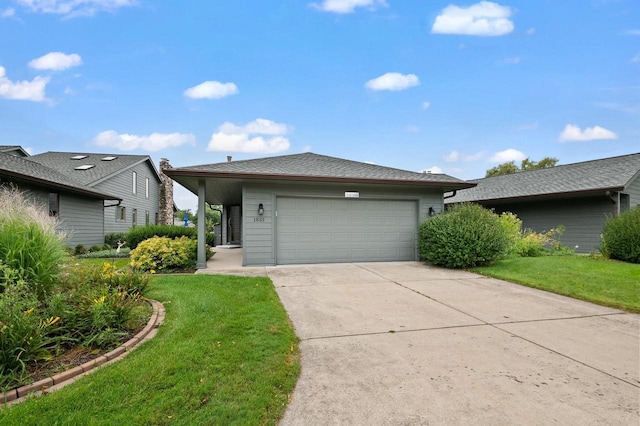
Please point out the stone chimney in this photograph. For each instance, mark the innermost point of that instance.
(165, 209)
(229, 158)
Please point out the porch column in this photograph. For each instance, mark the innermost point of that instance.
(202, 221)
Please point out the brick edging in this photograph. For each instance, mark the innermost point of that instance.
(59, 380)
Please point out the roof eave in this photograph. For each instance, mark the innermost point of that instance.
(50, 184)
(306, 178)
(585, 192)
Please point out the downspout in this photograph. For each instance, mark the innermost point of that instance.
(112, 205)
(453, 194)
(614, 200)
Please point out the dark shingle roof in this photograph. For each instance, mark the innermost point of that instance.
(62, 162)
(14, 148)
(310, 166)
(613, 173)
(26, 170)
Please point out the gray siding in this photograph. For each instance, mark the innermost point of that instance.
(634, 192)
(122, 185)
(81, 220)
(583, 219)
(259, 233)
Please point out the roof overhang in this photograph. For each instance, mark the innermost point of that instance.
(226, 187)
(59, 186)
(549, 196)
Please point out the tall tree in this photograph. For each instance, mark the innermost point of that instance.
(526, 165)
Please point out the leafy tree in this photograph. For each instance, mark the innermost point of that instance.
(212, 217)
(526, 165)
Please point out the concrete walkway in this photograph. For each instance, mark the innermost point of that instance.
(406, 344)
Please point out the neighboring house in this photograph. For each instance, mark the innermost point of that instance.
(309, 208)
(14, 150)
(78, 207)
(133, 178)
(578, 196)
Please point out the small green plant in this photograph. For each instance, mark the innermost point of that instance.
(113, 238)
(80, 249)
(621, 236)
(94, 248)
(466, 235)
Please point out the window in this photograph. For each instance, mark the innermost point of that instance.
(146, 187)
(120, 214)
(79, 157)
(134, 217)
(109, 158)
(146, 217)
(85, 167)
(135, 183)
(54, 204)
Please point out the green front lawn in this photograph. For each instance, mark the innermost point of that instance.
(605, 282)
(226, 354)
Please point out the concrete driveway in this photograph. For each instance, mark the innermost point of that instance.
(406, 344)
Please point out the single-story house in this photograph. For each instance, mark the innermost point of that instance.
(133, 178)
(79, 208)
(579, 196)
(310, 208)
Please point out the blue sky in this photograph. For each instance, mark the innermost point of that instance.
(448, 86)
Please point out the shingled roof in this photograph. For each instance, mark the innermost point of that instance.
(13, 149)
(315, 167)
(23, 169)
(104, 165)
(608, 174)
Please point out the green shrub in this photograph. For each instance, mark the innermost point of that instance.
(513, 228)
(140, 233)
(112, 239)
(29, 241)
(621, 236)
(80, 249)
(211, 239)
(94, 248)
(466, 235)
(161, 254)
(106, 254)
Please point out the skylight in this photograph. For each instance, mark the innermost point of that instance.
(85, 167)
(109, 158)
(79, 157)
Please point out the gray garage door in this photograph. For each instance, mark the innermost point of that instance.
(317, 230)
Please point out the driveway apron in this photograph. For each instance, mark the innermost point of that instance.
(407, 344)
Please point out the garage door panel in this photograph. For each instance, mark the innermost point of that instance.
(345, 230)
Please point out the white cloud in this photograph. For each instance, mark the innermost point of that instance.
(454, 156)
(306, 148)
(211, 90)
(629, 109)
(347, 6)
(507, 155)
(152, 142)
(426, 105)
(531, 31)
(412, 128)
(393, 81)
(433, 169)
(632, 32)
(56, 61)
(636, 58)
(234, 138)
(23, 90)
(72, 8)
(572, 133)
(8, 12)
(481, 19)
